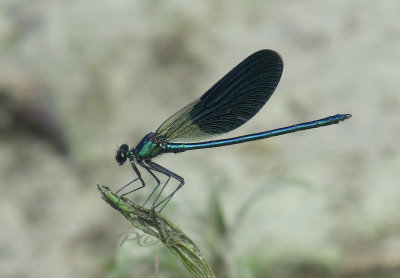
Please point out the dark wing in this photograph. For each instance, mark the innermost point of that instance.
(231, 102)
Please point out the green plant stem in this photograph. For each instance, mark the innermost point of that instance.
(156, 225)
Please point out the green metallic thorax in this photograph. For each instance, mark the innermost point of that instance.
(148, 148)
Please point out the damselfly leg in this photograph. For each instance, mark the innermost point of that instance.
(150, 167)
(126, 185)
(155, 177)
(158, 168)
(139, 177)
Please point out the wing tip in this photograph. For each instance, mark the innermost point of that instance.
(270, 53)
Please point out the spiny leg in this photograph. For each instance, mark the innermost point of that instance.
(164, 185)
(122, 188)
(139, 177)
(159, 168)
(154, 176)
(161, 191)
(166, 200)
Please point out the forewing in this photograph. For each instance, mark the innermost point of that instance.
(231, 102)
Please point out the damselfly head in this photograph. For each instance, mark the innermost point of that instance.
(122, 154)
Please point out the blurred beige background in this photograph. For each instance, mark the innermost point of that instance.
(79, 78)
